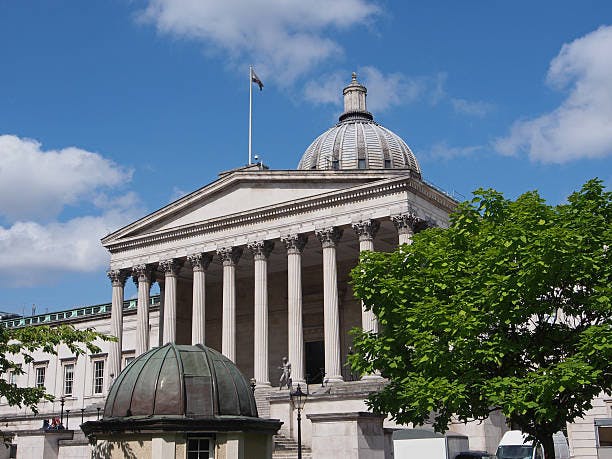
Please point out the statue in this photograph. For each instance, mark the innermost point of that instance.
(285, 379)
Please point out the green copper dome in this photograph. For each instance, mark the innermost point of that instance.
(180, 381)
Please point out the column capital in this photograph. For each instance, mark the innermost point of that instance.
(329, 237)
(171, 266)
(118, 277)
(295, 243)
(366, 229)
(407, 222)
(261, 249)
(230, 255)
(200, 261)
(142, 273)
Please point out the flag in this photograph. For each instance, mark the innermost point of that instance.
(255, 79)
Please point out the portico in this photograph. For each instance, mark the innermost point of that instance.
(291, 279)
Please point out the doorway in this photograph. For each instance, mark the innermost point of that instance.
(315, 362)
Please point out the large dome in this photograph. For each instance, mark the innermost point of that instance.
(357, 142)
(180, 381)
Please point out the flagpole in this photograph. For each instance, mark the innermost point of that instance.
(250, 110)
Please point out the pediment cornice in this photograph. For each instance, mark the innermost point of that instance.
(326, 200)
(245, 176)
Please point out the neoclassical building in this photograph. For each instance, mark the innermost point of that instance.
(256, 265)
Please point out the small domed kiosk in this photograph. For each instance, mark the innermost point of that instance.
(180, 401)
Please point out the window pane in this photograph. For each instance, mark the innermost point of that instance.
(68, 378)
(98, 382)
(40, 377)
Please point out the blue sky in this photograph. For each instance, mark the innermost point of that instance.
(110, 110)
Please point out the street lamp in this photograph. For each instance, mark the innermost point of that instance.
(62, 401)
(298, 399)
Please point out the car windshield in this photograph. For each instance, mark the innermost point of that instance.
(514, 452)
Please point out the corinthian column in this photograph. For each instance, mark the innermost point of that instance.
(366, 230)
(230, 257)
(261, 251)
(117, 277)
(295, 245)
(170, 268)
(199, 263)
(406, 226)
(329, 237)
(142, 277)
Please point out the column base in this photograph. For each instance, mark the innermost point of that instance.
(301, 382)
(334, 379)
(263, 385)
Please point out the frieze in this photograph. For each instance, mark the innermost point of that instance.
(301, 206)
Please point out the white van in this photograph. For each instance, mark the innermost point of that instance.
(514, 445)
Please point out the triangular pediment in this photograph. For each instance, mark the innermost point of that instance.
(240, 192)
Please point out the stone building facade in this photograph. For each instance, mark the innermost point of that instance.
(256, 265)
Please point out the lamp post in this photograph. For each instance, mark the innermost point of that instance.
(62, 401)
(67, 416)
(298, 399)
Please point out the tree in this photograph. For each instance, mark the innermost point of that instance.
(509, 309)
(24, 342)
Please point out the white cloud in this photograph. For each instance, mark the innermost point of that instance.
(35, 183)
(442, 150)
(32, 253)
(285, 39)
(384, 90)
(581, 127)
(439, 90)
(471, 108)
(390, 90)
(327, 89)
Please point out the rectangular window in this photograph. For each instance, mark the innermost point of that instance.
(361, 163)
(12, 377)
(200, 448)
(387, 164)
(98, 375)
(68, 378)
(40, 377)
(127, 360)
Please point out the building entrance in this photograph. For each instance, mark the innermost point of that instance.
(315, 362)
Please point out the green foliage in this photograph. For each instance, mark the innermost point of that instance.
(24, 342)
(509, 309)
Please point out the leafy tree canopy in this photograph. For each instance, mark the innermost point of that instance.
(24, 342)
(510, 309)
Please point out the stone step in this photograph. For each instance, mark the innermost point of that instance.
(286, 448)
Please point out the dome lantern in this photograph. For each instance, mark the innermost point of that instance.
(355, 100)
(357, 141)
